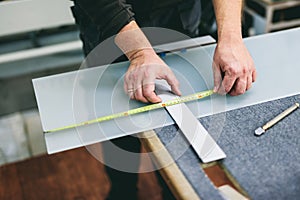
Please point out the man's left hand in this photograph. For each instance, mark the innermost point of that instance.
(233, 67)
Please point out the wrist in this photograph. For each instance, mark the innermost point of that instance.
(228, 35)
(140, 53)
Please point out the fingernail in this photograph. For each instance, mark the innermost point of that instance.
(215, 89)
(179, 93)
(158, 100)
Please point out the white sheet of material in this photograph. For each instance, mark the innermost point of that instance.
(74, 97)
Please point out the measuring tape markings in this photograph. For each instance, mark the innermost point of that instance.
(178, 100)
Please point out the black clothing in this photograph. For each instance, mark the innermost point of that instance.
(100, 19)
(109, 16)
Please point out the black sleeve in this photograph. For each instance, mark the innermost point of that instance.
(110, 15)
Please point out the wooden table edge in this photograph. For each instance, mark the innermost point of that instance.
(173, 176)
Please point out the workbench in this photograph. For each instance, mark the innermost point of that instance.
(265, 167)
(264, 11)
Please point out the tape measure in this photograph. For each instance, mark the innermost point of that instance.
(155, 106)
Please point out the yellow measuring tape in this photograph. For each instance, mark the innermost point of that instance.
(178, 100)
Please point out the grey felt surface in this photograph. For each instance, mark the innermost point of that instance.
(188, 162)
(267, 167)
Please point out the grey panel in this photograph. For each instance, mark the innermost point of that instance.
(79, 96)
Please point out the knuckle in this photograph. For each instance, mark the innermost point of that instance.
(146, 73)
(127, 75)
(233, 71)
(175, 82)
(245, 70)
(130, 76)
(240, 90)
(227, 89)
(137, 88)
(138, 96)
(135, 76)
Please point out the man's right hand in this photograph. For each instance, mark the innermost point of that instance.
(145, 67)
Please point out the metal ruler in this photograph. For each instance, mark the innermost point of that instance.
(204, 145)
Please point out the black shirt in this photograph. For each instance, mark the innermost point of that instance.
(112, 15)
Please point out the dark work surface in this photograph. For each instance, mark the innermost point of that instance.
(267, 167)
(188, 162)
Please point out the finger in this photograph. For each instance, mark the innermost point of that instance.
(227, 83)
(131, 94)
(249, 82)
(137, 80)
(254, 75)
(173, 82)
(239, 87)
(129, 86)
(138, 95)
(217, 77)
(149, 94)
(149, 88)
(126, 88)
(129, 91)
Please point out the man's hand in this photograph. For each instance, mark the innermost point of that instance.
(145, 67)
(233, 67)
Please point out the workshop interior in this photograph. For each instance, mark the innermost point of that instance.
(253, 138)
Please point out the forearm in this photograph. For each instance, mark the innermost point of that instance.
(131, 40)
(228, 16)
